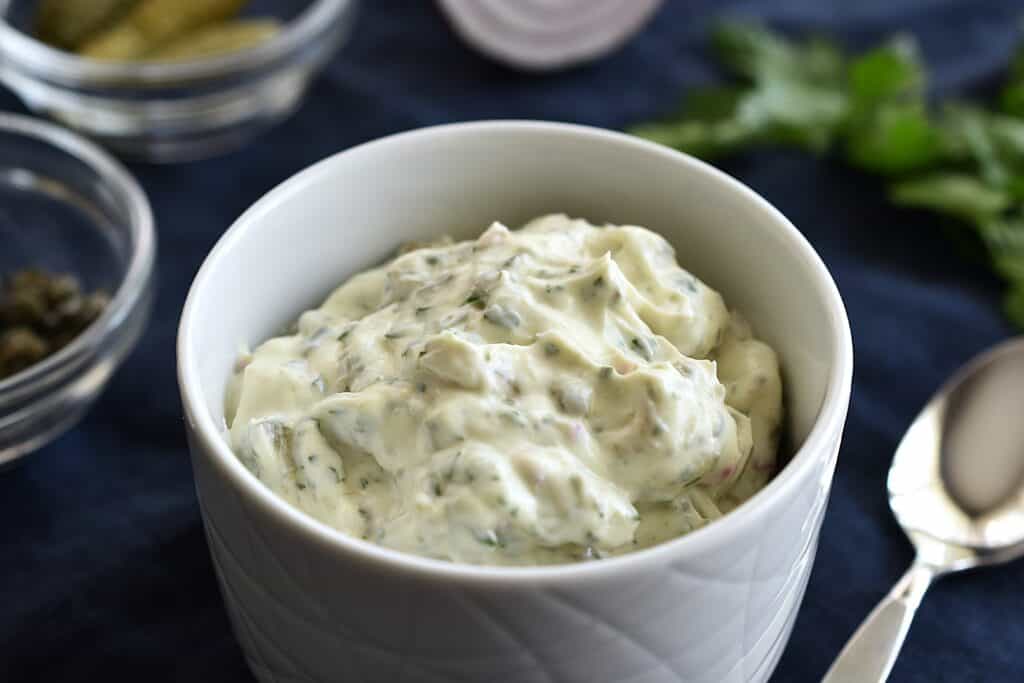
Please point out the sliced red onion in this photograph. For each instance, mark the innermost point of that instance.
(543, 35)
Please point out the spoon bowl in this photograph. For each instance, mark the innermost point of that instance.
(958, 474)
(956, 486)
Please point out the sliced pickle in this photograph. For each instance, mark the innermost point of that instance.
(217, 39)
(69, 23)
(153, 24)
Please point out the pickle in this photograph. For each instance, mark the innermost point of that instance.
(217, 39)
(154, 23)
(69, 23)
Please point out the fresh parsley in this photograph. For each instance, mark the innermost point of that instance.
(959, 160)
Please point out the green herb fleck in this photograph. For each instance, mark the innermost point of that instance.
(477, 299)
(643, 347)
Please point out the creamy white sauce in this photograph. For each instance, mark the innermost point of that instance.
(551, 394)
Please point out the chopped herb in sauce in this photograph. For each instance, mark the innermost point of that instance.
(643, 347)
(476, 299)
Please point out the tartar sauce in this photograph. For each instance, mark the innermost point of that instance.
(551, 394)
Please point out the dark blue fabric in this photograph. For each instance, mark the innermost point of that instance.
(103, 565)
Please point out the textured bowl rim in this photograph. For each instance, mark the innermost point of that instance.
(65, 67)
(140, 262)
(829, 421)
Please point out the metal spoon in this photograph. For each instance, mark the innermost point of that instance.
(956, 486)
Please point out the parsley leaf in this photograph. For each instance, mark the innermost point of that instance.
(1012, 98)
(708, 125)
(898, 138)
(954, 194)
(757, 54)
(1014, 304)
(1005, 242)
(889, 130)
(891, 71)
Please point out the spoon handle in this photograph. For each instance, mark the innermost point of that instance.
(872, 650)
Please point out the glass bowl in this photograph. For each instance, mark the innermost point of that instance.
(67, 206)
(175, 111)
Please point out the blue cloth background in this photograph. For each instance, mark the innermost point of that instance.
(103, 567)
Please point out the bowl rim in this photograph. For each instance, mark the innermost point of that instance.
(209, 436)
(66, 67)
(140, 261)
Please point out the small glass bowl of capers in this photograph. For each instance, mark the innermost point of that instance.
(168, 80)
(75, 278)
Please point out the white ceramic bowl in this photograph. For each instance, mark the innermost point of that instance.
(311, 604)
